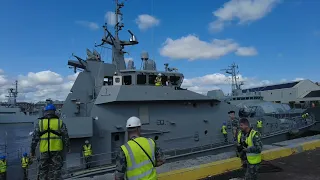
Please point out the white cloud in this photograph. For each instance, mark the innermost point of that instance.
(39, 86)
(90, 25)
(110, 18)
(145, 21)
(40, 78)
(245, 11)
(192, 48)
(3, 79)
(298, 79)
(246, 51)
(73, 77)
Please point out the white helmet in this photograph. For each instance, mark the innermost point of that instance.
(159, 74)
(133, 122)
(87, 142)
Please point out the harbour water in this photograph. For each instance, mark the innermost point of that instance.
(14, 141)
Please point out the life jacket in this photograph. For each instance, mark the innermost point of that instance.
(24, 162)
(224, 129)
(253, 158)
(139, 165)
(158, 81)
(87, 151)
(50, 136)
(3, 166)
(259, 124)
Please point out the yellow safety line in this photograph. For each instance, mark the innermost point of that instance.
(219, 167)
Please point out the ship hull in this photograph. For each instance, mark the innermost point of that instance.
(17, 118)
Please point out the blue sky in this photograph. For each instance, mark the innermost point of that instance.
(41, 35)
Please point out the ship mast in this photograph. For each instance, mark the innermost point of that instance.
(12, 95)
(117, 44)
(233, 70)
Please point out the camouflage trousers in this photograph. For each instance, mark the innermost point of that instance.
(50, 166)
(25, 173)
(225, 137)
(252, 172)
(88, 161)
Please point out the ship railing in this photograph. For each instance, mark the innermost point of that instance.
(104, 161)
(205, 143)
(33, 172)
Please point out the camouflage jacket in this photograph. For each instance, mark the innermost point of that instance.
(235, 123)
(36, 135)
(256, 141)
(121, 163)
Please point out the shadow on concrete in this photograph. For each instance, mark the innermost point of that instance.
(265, 167)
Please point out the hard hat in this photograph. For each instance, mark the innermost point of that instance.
(86, 142)
(224, 123)
(159, 74)
(133, 122)
(50, 107)
(2, 157)
(25, 154)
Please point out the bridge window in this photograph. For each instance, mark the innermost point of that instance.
(152, 78)
(107, 80)
(164, 80)
(127, 80)
(174, 80)
(141, 79)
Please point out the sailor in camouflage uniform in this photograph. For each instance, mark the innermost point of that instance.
(138, 149)
(249, 148)
(52, 142)
(234, 123)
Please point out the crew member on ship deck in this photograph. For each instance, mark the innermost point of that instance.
(158, 80)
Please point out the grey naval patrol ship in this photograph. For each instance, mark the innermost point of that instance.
(11, 113)
(252, 104)
(184, 124)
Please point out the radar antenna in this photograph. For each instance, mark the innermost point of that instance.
(233, 70)
(115, 42)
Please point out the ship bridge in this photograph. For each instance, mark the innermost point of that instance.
(147, 77)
